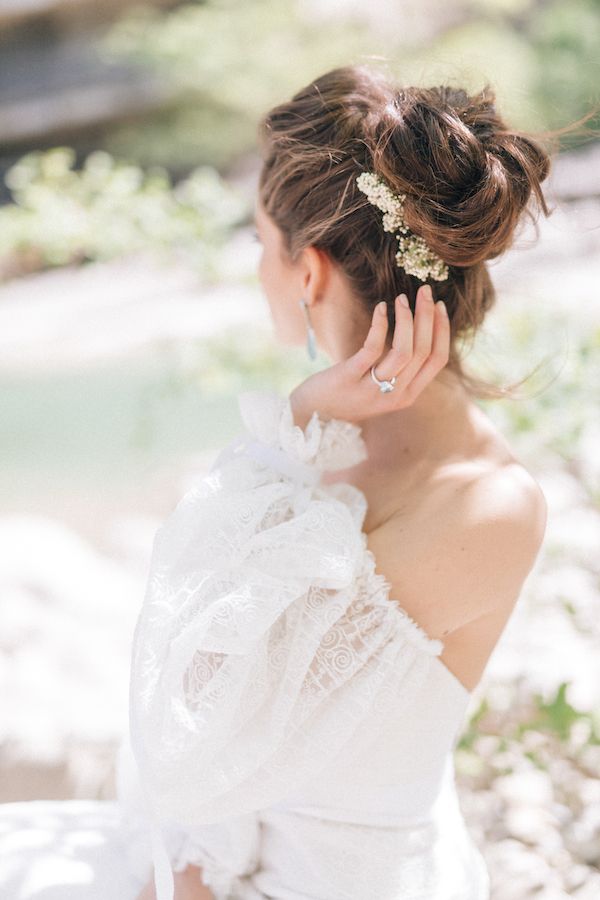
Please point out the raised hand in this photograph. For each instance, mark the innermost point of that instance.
(420, 349)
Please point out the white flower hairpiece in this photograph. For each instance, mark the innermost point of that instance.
(413, 255)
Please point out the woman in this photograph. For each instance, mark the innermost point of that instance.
(321, 606)
(452, 519)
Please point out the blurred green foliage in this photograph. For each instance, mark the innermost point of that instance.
(567, 349)
(531, 731)
(230, 62)
(234, 361)
(227, 64)
(61, 215)
(565, 39)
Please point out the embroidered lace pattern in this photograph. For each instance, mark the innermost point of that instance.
(265, 643)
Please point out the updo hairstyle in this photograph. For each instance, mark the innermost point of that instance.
(468, 177)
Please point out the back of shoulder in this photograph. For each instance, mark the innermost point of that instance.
(509, 502)
(500, 515)
(472, 550)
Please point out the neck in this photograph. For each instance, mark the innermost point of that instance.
(423, 431)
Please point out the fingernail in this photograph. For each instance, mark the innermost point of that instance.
(404, 300)
(382, 306)
(443, 305)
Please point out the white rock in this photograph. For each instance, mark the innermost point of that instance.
(531, 788)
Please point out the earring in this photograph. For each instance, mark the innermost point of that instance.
(311, 343)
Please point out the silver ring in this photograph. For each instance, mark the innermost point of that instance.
(384, 386)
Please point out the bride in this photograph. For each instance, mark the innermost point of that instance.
(323, 603)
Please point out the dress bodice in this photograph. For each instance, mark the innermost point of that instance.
(393, 776)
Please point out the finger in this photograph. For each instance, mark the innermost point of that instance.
(422, 346)
(422, 333)
(401, 351)
(424, 316)
(361, 361)
(440, 354)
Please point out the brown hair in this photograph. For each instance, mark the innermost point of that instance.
(467, 176)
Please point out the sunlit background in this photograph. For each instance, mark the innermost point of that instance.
(131, 316)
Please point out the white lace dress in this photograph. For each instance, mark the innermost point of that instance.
(292, 728)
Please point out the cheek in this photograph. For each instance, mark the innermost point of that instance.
(279, 290)
(264, 267)
(269, 273)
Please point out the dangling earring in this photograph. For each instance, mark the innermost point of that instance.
(311, 343)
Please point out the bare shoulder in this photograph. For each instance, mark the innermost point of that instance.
(468, 549)
(505, 503)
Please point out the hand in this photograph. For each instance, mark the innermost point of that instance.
(419, 351)
(188, 886)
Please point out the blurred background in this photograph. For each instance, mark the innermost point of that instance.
(131, 316)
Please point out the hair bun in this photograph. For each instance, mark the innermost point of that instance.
(467, 176)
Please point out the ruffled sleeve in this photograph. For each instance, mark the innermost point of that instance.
(265, 635)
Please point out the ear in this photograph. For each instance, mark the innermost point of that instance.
(316, 273)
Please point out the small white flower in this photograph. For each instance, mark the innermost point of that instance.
(413, 255)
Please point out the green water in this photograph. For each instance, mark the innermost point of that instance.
(100, 427)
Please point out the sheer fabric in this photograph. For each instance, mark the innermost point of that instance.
(291, 727)
(268, 658)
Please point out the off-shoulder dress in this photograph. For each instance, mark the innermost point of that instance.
(292, 728)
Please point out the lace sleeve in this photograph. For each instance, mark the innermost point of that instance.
(323, 444)
(225, 851)
(265, 636)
